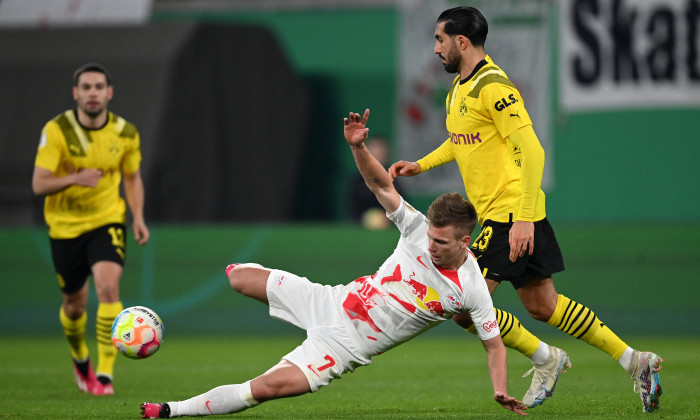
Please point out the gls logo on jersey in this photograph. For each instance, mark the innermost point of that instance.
(505, 102)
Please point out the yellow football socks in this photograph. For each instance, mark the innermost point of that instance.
(513, 334)
(75, 334)
(580, 322)
(106, 312)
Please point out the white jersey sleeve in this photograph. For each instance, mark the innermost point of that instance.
(412, 224)
(479, 301)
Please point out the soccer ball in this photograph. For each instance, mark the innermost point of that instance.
(137, 332)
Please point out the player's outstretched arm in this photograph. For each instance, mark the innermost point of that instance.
(373, 172)
(437, 157)
(498, 370)
(403, 168)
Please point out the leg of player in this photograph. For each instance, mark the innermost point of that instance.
(545, 304)
(107, 275)
(282, 380)
(513, 334)
(517, 337)
(285, 379)
(220, 400)
(73, 317)
(249, 279)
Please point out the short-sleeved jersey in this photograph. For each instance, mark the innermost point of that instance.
(482, 111)
(67, 147)
(409, 294)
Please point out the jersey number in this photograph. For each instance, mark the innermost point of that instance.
(482, 242)
(331, 363)
(117, 235)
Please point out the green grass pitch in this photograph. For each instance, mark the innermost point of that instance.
(641, 280)
(436, 376)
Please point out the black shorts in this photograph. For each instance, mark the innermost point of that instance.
(492, 250)
(73, 258)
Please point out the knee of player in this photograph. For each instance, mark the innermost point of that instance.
(242, 275)
(236, 276)
(282, 380)
(540, 313)
(463, 320)
(73, 311)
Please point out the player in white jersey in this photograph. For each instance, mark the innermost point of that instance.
(410, 294)
(430, 277)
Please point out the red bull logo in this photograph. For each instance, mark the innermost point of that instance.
(426, 297)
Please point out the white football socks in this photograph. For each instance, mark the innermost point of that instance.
(540, 355)
(220, 400)
(626, 359)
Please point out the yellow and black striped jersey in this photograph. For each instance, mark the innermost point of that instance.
(482, 111)
(67, 147)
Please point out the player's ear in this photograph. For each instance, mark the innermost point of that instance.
(462, 42)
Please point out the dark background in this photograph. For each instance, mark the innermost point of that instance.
(240, 113)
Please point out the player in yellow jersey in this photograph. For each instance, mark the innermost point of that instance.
(501, 162)
(79, 164)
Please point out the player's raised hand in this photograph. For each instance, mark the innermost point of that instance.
(510, 403)
(403, 168)
(355, 131)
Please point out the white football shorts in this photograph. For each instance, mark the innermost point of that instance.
(329, 350)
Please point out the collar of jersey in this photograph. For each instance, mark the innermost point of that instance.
(478, 67)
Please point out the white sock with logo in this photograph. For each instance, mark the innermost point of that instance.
(220, 400)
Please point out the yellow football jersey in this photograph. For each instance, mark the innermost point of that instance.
(67, 147)
(482, 112)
